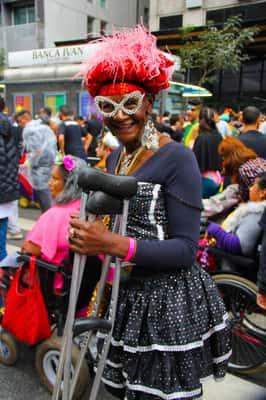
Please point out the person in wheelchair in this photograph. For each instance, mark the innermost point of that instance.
(240, 165)
(240, 231)
(48, 237)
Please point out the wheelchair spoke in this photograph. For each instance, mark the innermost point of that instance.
(248, 323)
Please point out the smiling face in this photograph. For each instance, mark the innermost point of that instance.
(128, 128)
(56, 182)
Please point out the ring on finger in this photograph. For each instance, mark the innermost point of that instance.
(72, 233)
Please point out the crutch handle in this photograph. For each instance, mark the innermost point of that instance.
(90, 324)
(102, 203)
(120, 186)
(39, 263)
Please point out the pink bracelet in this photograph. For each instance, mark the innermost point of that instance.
(131, 249)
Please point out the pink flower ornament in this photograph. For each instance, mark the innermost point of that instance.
(69, 163)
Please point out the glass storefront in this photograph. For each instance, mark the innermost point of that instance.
(86, 105)
(23, 101)
(54, 100)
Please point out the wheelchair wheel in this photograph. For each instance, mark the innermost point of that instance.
(8, 348)
(47, 360)
(248, 323)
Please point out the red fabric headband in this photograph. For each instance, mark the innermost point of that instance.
(119, 88)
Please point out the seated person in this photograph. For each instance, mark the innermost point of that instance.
(48, 237)
(221, 202)
(261, 281)
(240, 231)
(240, 164)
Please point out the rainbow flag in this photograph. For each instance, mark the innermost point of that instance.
(188, 132)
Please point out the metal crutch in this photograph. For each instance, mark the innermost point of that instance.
(78, 268)
(112, 314)
(120, 228)
(94, 180)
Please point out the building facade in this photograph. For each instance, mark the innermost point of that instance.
(32, 24)
(248, 85)
(43, 24)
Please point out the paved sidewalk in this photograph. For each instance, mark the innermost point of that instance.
(233, 388)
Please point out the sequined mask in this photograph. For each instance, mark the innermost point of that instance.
(130, 104)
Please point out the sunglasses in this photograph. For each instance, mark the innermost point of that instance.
(130, 104)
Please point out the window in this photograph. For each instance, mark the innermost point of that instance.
(54, 100)
(87, 105)
(103, 27)
(251, 74)
(146, 16)
(90, 24)
(252, 12)
(264, 77)
(22, 101)
(23, 15)
(103, 3)
(172, 22)
(230, 82)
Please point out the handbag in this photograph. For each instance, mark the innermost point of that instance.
(25, 314)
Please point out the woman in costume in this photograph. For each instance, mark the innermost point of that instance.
(171, 329)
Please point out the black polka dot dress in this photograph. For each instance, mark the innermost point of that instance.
(171, 331)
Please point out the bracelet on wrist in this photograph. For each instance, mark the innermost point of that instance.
(131, 249)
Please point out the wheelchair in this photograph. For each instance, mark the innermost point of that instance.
(235, 276)
(48, 351)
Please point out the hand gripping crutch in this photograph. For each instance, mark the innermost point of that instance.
(90, 324)
(90, 179)
(99, 204)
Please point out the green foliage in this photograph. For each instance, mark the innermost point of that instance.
(217, 48)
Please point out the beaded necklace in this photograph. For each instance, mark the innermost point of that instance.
(127, 161)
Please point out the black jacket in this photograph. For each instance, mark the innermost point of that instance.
(206, 151)
(256, 141)
(9, 183)
(262, 266)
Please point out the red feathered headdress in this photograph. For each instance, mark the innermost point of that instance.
(128, 60)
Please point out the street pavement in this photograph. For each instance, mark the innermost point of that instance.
(20, 382)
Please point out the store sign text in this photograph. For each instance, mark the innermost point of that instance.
(53, 55)
(48, 54)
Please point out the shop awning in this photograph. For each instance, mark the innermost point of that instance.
(188, 90)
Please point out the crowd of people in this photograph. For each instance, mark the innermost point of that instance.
(166, 339)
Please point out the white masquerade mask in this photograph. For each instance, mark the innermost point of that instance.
(130, 104)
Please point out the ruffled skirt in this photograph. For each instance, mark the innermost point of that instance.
(171, 332)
